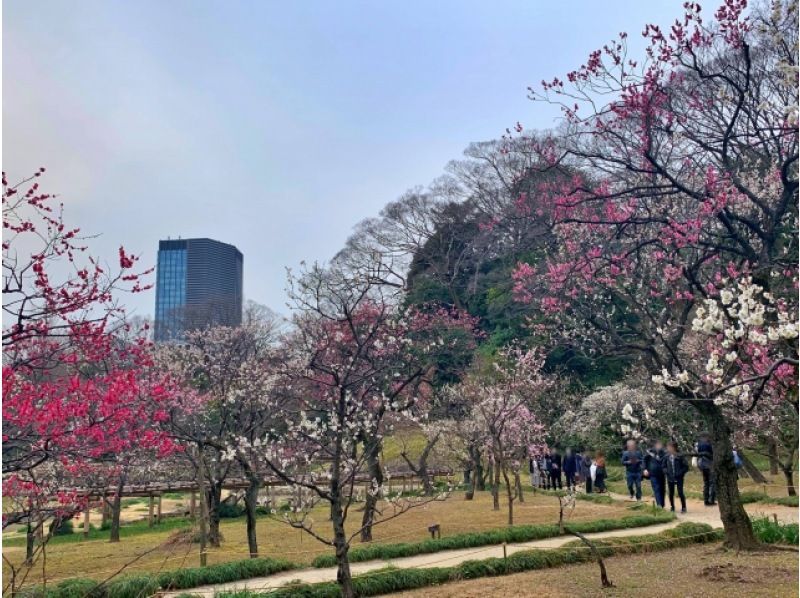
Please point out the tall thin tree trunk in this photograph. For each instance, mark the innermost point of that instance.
(204, 518)
(480, 473)
(343, 576)
(518, 485)
(251, 503)
(738, 529)
(495, 487)
(788, 474)
(509, 496)
(772, 449)
(372, 452)
(116, 510)
(30, 542)
(214, 501)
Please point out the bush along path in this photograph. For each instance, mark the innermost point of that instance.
(385, 580)
(447, 552)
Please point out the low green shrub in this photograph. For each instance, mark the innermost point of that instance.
(181, 579)
(66, 528)
(788, 501)
(69, 588)
(751, 496)
(515, 534)
(230, 511)
(770, 532)
(390, 580)
(131, 586)
(138, 586)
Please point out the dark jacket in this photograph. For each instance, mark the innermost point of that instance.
(546, 462)
(675, 468)
(705, 454)
(654, 462)
(555, 463)
(586, 465)
(570, 464)
(632, 460)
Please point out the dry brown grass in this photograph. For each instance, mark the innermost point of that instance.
(691, 572)
(99, 559)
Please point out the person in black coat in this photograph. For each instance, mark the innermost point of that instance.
(654, 470)
(570, 466)
(547, 462)
(555, 469)
(705, 461)
(675, 469)
(586, 470)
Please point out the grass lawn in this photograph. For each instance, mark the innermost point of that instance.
(96, 558)
(692, 571)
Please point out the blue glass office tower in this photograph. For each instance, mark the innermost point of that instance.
(198, 284)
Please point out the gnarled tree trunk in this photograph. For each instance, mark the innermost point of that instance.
(738, 529)
(420, 468)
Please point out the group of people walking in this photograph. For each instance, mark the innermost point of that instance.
(664, 466)
(553, 471)
(667, 468)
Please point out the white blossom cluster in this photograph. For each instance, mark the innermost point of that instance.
(745, 328)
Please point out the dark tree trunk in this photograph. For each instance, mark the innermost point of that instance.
(518, 485)
(738, 529)
(250, 503)
(372, 453)
(421, 467)
(495, 487)
(30, 542)
(478, 474)
(214, 494)
(509, 496)
(116, 511)
(343, 576)
(788, 474)
(772, 449)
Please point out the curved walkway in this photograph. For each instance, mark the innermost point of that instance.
(447, 558)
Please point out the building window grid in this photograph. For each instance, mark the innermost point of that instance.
(171, 282)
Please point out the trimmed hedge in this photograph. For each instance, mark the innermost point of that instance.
(515, 534)
(386, 581)
(137, 586)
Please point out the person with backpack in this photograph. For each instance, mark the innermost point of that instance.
(654, 471)
(632, 460)
(705, 461)
(675, 469)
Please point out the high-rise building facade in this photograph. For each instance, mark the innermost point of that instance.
(198, 284)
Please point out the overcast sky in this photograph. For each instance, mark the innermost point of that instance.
(272, 125)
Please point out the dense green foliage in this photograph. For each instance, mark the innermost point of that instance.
(771, 532)
(517, 533)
